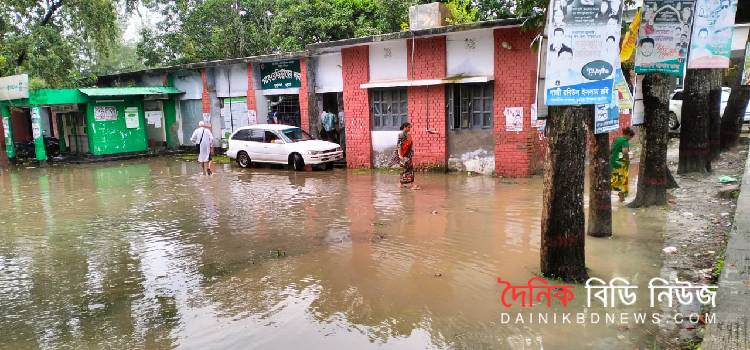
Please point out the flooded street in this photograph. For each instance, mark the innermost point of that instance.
(149, 254)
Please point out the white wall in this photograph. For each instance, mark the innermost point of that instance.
(383, 144)
(328, 74)
(388, 61)
(234, 77)
(191, 83)
(470, 53)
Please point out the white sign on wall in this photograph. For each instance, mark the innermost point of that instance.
(513, 119)
(154, 118)
(14, 87)
(131, 118)
(105, 113)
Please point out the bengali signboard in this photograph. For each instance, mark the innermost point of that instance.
(105, 113)
(663, 37)
(14, 87)
(583, 51)
(280, 75)
(711, 44)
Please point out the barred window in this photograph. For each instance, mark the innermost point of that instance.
(469, 105)
(389, 108)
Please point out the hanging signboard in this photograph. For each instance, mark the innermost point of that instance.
(14, 87)
(584, 47)
(663, 37)
(280, 75)
(105, 113)
(711, 44)
(131, 118)
(746, 71)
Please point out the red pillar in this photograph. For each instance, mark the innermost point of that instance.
(356, 71)
(205, 98)
(427, 103)
(303, 100)
(516, 153)
(251, 105)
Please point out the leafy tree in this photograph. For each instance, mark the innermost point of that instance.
(55, 41)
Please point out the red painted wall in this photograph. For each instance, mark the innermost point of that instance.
(303, 98)
(517, 154)
(356, 71)
(251, 105)
(427, 103)
(21, 125)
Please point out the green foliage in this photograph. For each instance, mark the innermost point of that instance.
(462, 11)
(56, 41)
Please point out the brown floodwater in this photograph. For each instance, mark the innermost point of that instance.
(150, 254)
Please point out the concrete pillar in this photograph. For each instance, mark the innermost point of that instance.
(36, 128)
(10, 149)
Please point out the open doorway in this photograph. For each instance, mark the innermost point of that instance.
(331, 112)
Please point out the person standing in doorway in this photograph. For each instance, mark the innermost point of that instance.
(620, 161)
(405, 153)
(203, 140)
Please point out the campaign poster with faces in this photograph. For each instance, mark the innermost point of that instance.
(583, 51)
(664, 37)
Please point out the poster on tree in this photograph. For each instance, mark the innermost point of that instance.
(711, 44)
(664, 37)
(584, 37)
(131, 118)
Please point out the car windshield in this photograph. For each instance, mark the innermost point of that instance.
(295, 135)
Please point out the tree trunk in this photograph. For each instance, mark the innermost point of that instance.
(731, 122)
(562, 236)
(694, 144)
(653, 170)
(714, 110)
(600, 190)
(671, 182)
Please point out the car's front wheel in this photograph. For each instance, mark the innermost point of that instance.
(673, 122)
(297, 163)
(243, 160)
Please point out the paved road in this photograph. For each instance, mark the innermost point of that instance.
(733, 299)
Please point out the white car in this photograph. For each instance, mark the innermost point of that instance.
(281, 144)
(675, 108)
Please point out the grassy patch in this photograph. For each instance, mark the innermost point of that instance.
(220, 159)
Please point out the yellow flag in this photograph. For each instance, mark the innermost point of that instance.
(628, 44)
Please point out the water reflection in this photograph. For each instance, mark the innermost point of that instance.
(150, 254)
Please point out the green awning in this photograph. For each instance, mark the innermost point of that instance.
(129, 91)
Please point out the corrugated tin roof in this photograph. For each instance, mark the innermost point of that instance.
(134, 90)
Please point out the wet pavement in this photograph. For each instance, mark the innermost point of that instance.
(150, 254)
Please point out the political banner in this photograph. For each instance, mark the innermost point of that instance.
(628, 43)
(663, 38)
(711, 44)
(584, 38)
(606, 118)
(622, 90)
(746, 71)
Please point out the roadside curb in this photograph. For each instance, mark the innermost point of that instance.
(730, 331)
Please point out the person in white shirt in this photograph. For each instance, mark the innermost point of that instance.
(203, 140)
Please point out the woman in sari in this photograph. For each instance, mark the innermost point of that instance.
(405, 152)
(620, 160)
